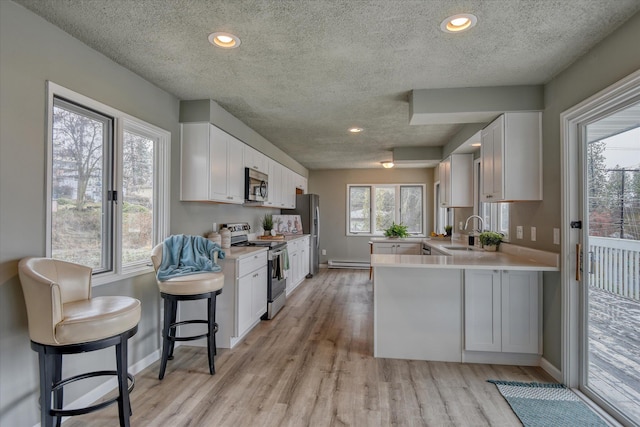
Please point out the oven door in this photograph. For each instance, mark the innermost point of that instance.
(277, 274)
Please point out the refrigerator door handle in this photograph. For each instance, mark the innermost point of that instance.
(317, 227)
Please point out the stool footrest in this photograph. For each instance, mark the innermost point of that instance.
(192, 337)
(92, 408)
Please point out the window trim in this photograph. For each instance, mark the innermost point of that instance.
(162, 174)
(372, 188)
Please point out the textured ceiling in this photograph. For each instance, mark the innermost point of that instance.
(307, 70)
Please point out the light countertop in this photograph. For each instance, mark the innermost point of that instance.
(510, 257)
(237, 252)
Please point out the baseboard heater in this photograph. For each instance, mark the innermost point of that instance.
(356, 265)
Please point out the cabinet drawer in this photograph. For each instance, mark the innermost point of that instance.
(251, 263)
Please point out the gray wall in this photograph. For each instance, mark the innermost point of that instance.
(31, 52)
(331, 185)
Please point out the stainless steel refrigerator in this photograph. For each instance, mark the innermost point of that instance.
(308, 207)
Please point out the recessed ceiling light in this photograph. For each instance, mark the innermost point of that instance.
(224, 40)
(355, 130)
(458, 23)
(387, 164)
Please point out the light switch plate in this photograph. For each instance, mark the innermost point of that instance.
(324, 252)
(519, 232)
(556, 236)
(533, 234)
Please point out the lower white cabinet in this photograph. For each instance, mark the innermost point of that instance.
(502, 311)
(298, 250)
(404, 248)
(244, 297)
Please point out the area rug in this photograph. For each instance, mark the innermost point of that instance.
(549, 405)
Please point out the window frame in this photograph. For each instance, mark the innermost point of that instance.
(494, 214)
(161, 172)
(372, 189)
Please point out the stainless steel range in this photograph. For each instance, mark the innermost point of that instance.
(276, 275)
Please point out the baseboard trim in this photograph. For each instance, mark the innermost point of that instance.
(550, 369)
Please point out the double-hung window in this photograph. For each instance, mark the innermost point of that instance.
(107, 186)
(373, 208)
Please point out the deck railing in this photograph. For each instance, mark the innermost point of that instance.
(615, 266)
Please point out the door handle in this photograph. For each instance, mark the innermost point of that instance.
(578, 262)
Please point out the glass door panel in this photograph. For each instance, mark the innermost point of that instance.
(611, 264)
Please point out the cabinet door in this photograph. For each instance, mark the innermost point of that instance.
(255, 160)
(384, 248)
(218, 154)
(444, 172)
(259, 293)
(245, 303)
(408, 248)
(235, 170)
(194, 154)
(304, 257)
(275, 185)
(491, 155)
(520, 312)
(482, 310)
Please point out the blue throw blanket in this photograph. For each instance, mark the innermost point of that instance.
(183, 255)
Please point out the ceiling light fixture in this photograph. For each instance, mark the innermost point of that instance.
(224, 40)
(458, 23)
(355, 130)
(387, 164)
(477, 144)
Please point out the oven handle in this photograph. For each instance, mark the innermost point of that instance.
(276, 253)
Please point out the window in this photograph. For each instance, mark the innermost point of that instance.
(495, 215)
(107, 186)
(390, 203)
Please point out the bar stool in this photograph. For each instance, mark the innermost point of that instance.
(64, 319)
(187, 288)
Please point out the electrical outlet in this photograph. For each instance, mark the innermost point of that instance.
(460, 225)
(533, 234)
(556, 236)
(519, 232)
(324, 252)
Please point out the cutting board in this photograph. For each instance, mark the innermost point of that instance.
(276, 237)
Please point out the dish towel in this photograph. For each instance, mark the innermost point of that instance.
(183, 255)
(283, 264)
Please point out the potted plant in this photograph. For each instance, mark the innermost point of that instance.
(490, 240)
(447, 230)
(267, 224)
(396, 230)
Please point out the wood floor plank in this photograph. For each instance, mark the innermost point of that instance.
(313, 365)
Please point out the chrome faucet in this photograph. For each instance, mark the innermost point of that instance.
(466, 224)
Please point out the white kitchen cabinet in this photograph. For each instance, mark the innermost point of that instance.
(211, 165)
(511, 158)
(244, 297)
(289, 189)
(456, 181)
(300, 183)
(298, 250)
(400, 248)
(502, 311)
(255, 160)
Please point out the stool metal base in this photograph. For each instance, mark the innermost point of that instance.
(169, 327)
(51, 382)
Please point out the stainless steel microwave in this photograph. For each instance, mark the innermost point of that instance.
(256, 185)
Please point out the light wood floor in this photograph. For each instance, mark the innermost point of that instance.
(313, 366)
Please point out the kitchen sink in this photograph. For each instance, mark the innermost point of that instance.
(461, 248)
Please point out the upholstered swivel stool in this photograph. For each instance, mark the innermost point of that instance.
(187, 288)
(65, 319)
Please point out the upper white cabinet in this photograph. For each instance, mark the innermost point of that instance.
(511, 158)
(502, 311)
(300, 183)
(255, 160)
(456, 181)
(211, 164)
